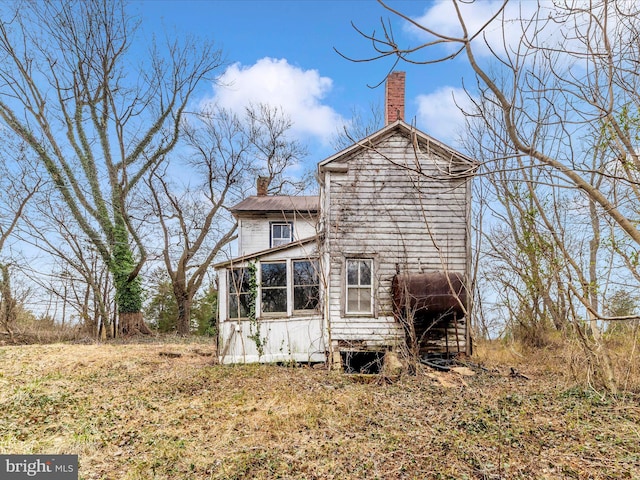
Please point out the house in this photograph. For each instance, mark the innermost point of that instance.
(378, 262)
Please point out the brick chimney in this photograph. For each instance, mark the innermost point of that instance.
(394, 98)
(262, 186)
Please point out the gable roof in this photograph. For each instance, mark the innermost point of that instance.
(403, 128)
(261, 253)
(277, 204)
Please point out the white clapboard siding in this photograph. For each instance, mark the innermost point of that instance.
(379, 207)
(296, 339)
(255, 235)
(292, 337)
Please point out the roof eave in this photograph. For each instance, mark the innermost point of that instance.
(256, 204)
(398, 124)
(244, 258)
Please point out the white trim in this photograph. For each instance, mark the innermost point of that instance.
(305, 311)
(359, 285)
(406, 128)
(261, 313)
(274, 223)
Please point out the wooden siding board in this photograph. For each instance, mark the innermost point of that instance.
(298, 339)
(255, 232)
(379, 209)
(410, 240)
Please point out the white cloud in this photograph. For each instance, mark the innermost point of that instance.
(275, 82)
(439, 113)
(505, 29)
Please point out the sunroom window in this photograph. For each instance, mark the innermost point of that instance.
(238, 293)
(306, 289)
(274, 287)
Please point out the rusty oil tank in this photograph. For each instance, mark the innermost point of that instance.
(436, 292)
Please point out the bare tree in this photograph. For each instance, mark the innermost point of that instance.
(565, 92)
(195, 222)
(267, 129)
(227, 153)
(20, 182)
(78, 278)
(96, 122)
(358, 127)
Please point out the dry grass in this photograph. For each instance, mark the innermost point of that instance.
(131, 413)
(34, 334)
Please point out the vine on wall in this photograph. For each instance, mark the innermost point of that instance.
(254, 324)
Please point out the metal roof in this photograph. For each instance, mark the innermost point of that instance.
(278, 203)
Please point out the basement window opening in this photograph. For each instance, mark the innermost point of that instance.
(362, 362)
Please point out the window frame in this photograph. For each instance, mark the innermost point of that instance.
(315, 265)
(284, 288)
(231, 284)
(359, 286)
(280, 224)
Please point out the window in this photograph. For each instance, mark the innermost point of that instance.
(274, 287)
(238, 293)
(281, 233)
(359, 286)
(306, 290)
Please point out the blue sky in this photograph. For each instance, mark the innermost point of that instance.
(282, 51)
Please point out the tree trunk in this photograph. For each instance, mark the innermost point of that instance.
(184, 301)
(184, 315)
(7, 302)
(128, 289)
(132, 323)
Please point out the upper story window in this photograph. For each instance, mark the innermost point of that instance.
(238, 293)
(359, 286)
(281, 233)
(306, 289)
(274, 287)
